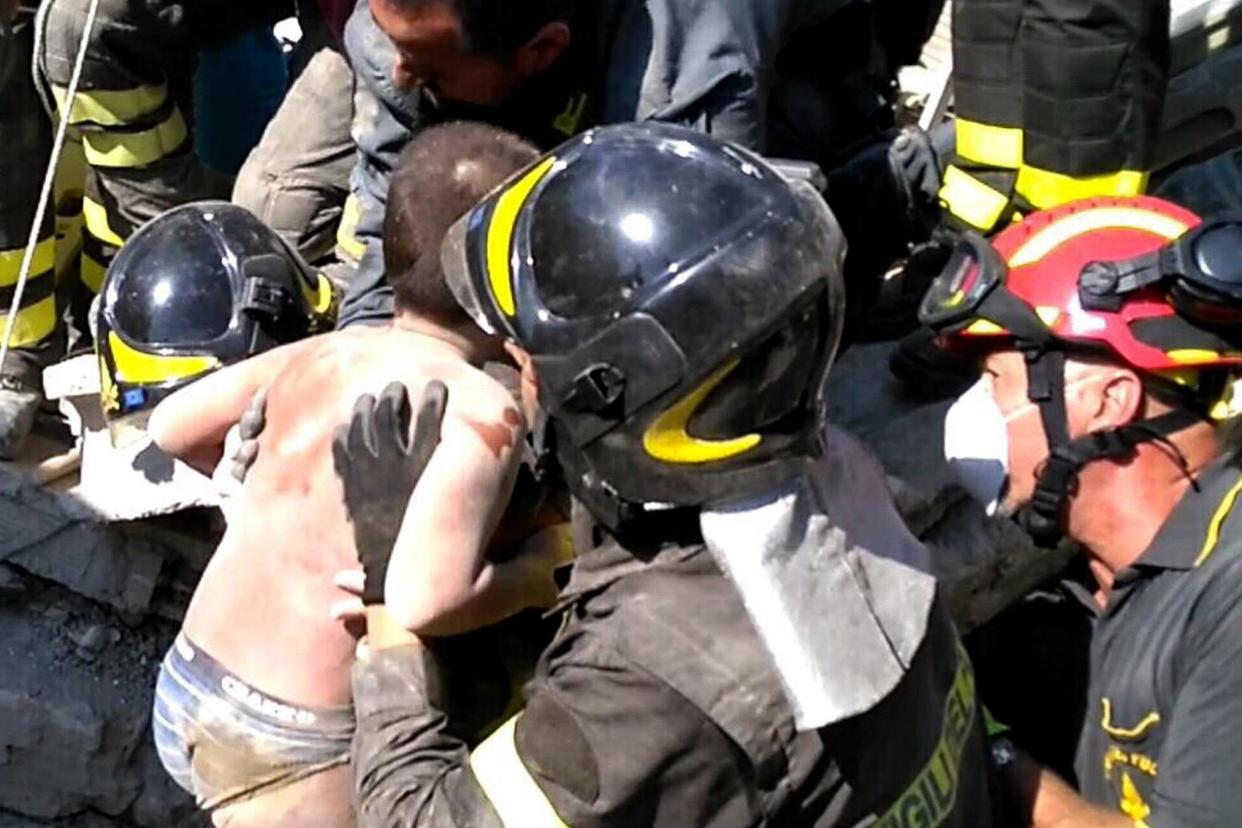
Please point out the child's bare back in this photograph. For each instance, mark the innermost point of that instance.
(262, 608)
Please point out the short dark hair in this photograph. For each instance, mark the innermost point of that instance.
(498, 28)
(441, 174)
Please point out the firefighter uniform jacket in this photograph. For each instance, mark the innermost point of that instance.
(1056, 100)
(656, 704)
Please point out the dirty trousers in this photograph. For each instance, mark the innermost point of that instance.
(225, 742)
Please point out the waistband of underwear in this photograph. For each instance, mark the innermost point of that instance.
(197, 670)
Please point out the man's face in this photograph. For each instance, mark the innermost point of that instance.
(431, 55)
(1096, 397)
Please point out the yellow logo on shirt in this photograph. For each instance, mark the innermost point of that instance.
(1132, 804)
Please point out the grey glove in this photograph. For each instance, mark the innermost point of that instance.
(250, 427)
(379, 463)
(916, 168)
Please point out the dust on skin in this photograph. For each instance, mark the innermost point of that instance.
(497, 436)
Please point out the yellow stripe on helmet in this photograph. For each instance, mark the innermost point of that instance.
(1088, 221)
(500, 235)
(141, 368)
(668, 440)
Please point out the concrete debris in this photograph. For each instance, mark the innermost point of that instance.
(12, 583)
(75, 700)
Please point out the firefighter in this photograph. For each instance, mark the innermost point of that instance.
(26, 134)
(1107, 332)
(730, 654)
(812, 81)
(200, 287)
(1055, 100)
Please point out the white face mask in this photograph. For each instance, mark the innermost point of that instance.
(976, 444)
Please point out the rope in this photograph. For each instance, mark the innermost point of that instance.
(58, 146)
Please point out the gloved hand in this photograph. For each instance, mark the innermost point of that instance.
(379, 464)
(249, 428)
(918, 173)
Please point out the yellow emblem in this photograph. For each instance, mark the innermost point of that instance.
(1132, 804)
(109, 399)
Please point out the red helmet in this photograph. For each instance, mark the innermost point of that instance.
(1044, 262)
(1138, 279)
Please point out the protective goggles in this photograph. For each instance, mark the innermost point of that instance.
(972, 287)
(1201, 272)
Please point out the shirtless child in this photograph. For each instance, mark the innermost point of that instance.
(252, 711)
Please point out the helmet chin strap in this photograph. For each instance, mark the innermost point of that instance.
(1057, 479)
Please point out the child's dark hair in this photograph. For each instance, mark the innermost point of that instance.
(442, 173)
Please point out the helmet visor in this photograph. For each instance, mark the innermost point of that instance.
(172, 293)
(455, 262)
(972, 272)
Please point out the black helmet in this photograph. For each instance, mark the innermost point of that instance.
(199, 287)
(682, 303)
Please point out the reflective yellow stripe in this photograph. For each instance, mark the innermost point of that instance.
(44, 259)
(668, 440)
(1213, 534)
(1088, 221)
(1045, 189)
(500, 235)
(996, 146)
(514, 794)
(33, 324)
(971, 200)
(93, 273)
(135, 149)
(107, 107)
(95, 218)
(348, 227)
(134, 366)
(1106, 722)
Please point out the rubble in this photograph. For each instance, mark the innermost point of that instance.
(88, 605)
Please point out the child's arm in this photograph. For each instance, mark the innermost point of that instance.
(192, 424)
(439, 581)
